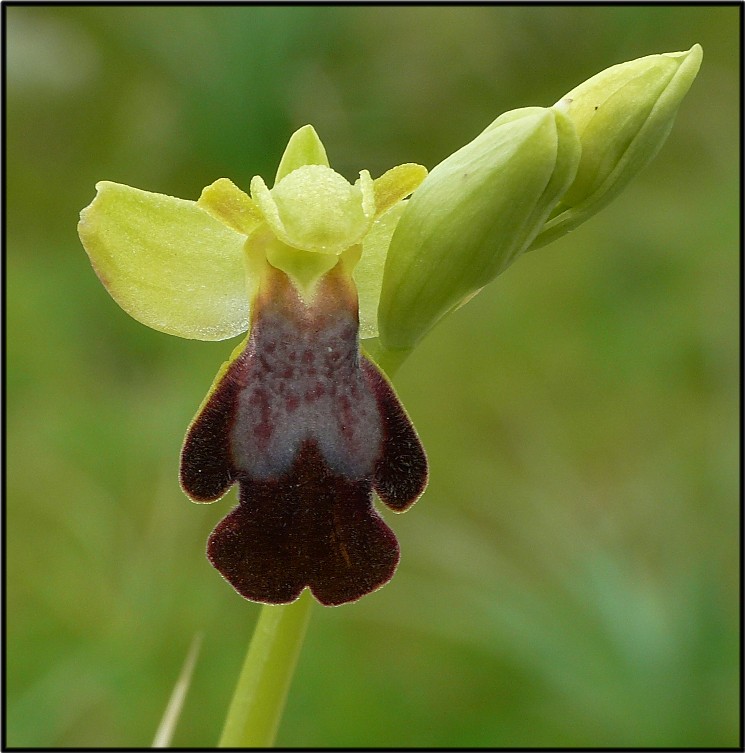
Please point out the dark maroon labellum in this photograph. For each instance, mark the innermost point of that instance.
(308, 428)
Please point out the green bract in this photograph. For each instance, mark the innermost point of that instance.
(191, 268)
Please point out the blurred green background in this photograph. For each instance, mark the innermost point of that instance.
(571, 576)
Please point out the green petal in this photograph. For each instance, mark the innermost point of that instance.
(167, 262)
(303, 148)
(396, 184)
(234, 208)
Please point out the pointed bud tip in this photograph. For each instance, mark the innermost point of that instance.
(623, 116)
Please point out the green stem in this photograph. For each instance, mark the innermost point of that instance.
(259, 698)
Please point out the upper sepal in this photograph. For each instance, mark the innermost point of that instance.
(304, 148)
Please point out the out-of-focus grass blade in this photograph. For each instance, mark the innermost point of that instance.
(167, 725)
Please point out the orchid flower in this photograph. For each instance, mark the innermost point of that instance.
(300, 417)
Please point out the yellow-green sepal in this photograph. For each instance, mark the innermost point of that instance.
(368, 274)
(167, 262)
(391, 190)
(303, 148)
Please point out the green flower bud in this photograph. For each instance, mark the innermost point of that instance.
(472, 216)
(623, 116)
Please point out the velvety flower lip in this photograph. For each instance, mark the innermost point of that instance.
(308, 427)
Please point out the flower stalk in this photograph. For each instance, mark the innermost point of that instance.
(261, 692)
(259, 698)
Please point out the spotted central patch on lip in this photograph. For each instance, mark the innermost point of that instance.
(304, 382)
(308, 427)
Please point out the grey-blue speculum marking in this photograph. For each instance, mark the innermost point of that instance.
(307, 427)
